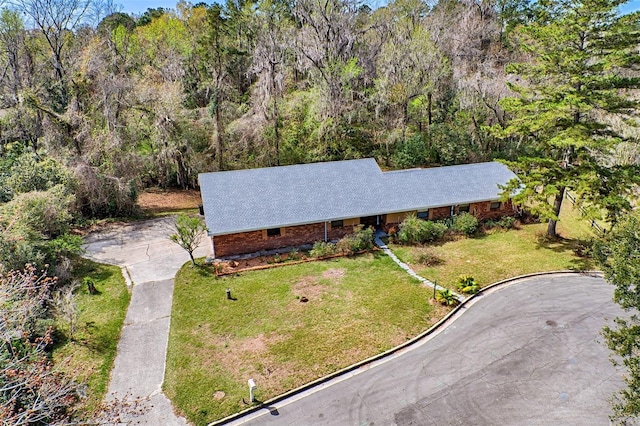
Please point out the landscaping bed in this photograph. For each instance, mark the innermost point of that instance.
(355, 307)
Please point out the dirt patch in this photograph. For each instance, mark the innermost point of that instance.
(157, 200)
(333, 274)
(219, 395)
(252, 354)
(309, 288)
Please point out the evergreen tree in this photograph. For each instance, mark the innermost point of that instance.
(619, 257)
(582, 57)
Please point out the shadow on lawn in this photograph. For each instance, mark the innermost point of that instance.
(579, 248)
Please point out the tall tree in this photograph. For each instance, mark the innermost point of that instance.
(619, 257)
(582, 54)
(54, 18)
(270, 55)
(409, 65)
(326, 47)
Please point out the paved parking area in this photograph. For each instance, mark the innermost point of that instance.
(526, 354)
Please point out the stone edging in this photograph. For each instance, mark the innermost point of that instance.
(431, 330)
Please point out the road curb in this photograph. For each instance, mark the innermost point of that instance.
(434, 328)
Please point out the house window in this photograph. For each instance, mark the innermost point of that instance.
(463, 208)
(337, 224)
(424, 215)
(496, 205)
(273, 232)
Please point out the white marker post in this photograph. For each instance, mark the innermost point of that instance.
(252, 387)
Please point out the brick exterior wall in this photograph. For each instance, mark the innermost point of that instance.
(483, 210)
(291, 236)
(440, 213)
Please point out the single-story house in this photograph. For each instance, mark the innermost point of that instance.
(261, 209)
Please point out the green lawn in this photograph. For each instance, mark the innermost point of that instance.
(357, 307)
(90, 356)
(503, 254)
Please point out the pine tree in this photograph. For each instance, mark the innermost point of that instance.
(582, 59)
(619, 257)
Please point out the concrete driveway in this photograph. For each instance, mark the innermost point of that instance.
(526, 354)
(151, 260)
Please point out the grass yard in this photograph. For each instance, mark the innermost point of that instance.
(357, 307)
(89, 357)
(504, 254)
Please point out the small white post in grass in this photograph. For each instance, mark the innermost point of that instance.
(252, 387)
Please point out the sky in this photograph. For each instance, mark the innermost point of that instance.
(140, 6)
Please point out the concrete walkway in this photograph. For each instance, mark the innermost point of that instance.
(150, 260)
(408, 269)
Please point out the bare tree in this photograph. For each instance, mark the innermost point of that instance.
(54, 18)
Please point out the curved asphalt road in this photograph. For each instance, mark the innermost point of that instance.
(529, 353)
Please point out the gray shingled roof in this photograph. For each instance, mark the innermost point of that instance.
(247, 200)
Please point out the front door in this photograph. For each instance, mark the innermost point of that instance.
(368, 221)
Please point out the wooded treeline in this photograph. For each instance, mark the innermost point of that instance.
(154, 100)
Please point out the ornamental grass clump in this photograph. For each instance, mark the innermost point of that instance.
(446, 297)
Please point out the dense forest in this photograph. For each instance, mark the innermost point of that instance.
(97, 105)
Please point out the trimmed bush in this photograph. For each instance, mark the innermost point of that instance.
(360, 240)
(418, 231)
(467, 284)
(465, 223)
(321, 249)
(507, 222)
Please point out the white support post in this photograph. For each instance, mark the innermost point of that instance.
(252, 387)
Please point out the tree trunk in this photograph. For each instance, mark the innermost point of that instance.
(557, 205)
(219, 141)
(429, 109)
(276, 117)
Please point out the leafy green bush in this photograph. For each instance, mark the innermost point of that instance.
(507, 222)
(467, 284)
(321, 249)
(360, 240)
(418, 231)
(465, 223)
(446, 297)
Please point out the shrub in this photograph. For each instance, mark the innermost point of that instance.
(321, 249)
(294, 254)
(418, 231)
(360, 240)
(428, 258)
(467, 284)
(465, 223)
(446, 297)
(507, 222)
